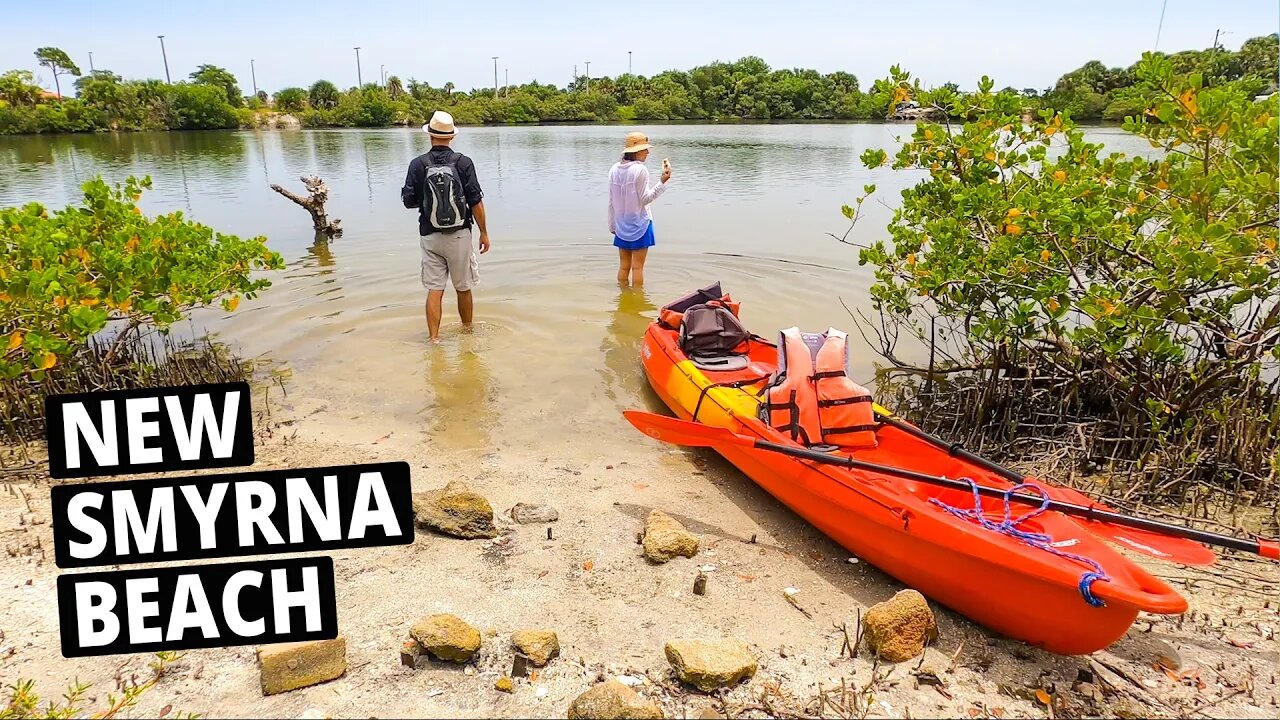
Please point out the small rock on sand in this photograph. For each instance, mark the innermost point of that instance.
(540, 646)
(611, 700)
(446, 637)
(526, 514)
(898, 628)
(711, 664)
(455, 510)
(1167, 655)
(666, 539)
(288, 666)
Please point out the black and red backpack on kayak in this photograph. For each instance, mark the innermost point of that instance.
(711, 330)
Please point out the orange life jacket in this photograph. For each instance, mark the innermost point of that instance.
(845, 410)
(814, 401)
(793, 401)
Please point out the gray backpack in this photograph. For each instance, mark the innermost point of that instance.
(443, 201)
(710, 330)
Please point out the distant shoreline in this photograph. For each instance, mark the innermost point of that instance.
(297, 127)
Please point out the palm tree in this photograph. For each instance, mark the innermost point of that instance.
(394, 88)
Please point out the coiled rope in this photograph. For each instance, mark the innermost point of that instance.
(1042, 541)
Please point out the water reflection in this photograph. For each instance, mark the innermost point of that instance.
(622, 375)
(186, 191)
(320, 255)
(329, 153)
(460, 412)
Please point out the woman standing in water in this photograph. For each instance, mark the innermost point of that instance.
(629, 199)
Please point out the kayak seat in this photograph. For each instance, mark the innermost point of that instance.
(720, 363)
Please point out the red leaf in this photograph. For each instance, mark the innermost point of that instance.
(165, 710)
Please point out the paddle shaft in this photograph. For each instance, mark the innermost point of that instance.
(1266, 549)
(953, 449)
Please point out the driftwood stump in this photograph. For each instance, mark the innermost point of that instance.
(314, 204)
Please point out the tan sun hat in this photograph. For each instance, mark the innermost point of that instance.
(636, 142)
(441, 125)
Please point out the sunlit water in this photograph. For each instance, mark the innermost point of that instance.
(555, 354)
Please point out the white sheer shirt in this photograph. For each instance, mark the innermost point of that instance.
(629, 199)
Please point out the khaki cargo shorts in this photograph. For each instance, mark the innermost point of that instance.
(448, 256)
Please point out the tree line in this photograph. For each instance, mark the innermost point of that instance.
(746, 89)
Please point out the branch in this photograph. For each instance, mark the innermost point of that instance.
(315, 205)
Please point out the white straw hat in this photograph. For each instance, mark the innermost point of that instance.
(441, 125)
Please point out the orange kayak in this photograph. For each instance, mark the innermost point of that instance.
(1075, 596)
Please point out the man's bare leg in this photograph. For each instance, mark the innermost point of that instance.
(464, 308)
(637, 266)
(624, 265)
(435, 300)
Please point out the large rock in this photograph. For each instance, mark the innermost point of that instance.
(526, 514)
(711, 664)
(540, 646)
(611, 700)
(446, 637)
(898, 628)
(665, 538)
(455, 510)
(289, 666)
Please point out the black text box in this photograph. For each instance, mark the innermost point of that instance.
(165, 429)
(103, 519)
(202, 606)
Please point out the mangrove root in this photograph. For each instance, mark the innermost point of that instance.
(319, 193)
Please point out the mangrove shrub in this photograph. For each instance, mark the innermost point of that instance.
(66, 274)
(1143, 292)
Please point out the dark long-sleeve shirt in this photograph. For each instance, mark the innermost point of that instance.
(411, 193)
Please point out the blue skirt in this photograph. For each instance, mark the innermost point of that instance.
(645, 240)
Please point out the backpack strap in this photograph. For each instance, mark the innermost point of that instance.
(450, 157)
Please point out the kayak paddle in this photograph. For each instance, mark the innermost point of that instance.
(684, 432)
(1161, 546)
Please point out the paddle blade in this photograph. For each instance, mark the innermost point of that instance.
(1269, 549)
(1161, 547)
(683, 432)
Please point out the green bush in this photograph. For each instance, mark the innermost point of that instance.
(202, 107)
(1149, 286)
(65, 275)
(291, 99)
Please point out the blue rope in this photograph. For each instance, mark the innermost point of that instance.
(1009, 526)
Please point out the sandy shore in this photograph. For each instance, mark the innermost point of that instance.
(613, 611)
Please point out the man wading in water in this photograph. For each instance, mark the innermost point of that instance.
(442, 185)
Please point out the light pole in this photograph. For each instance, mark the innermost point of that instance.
(495, 77)
(166, 60)
(359, 77)
(506, 79)
(91, 61)
(254, 74)
(628, 62)
(383, 70)
(588, 62)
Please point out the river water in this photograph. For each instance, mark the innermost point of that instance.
(554, 356)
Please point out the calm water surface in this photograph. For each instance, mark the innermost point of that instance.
(555, 353)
